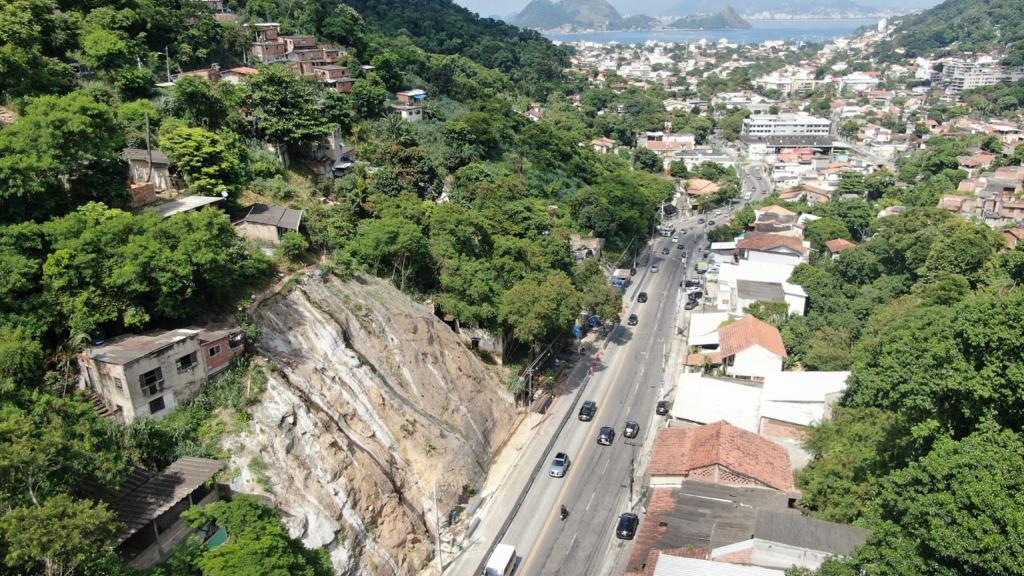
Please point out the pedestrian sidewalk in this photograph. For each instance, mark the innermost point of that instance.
(513, 467)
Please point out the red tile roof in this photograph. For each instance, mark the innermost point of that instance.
(838, 245)
(643, 559)
(747, 332)
(764, 241)
(698, 186)
(677, 451)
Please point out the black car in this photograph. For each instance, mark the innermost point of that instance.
(606, 436)
(662, 408)
(588, 410)
(694, 296)
(631, 429)
(632, 271)
(666, 251)
(691, 304)
(693, 283)
(680, 246)
(711, 222)
(641, 297)
(633, 320)
(626, 528)
(700, 221)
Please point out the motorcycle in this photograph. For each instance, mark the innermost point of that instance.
(564, 513)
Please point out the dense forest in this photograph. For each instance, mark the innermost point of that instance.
(966, 26)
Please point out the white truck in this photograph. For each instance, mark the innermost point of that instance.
(502, 561)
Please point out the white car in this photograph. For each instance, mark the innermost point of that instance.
(675, 238)
(692, 289)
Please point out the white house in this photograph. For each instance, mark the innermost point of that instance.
(702, 400)
(773, 248)
(748, 348)
(791, 402)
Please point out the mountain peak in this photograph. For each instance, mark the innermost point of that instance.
(581, 14)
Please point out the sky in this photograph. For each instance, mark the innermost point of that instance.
(650, 7)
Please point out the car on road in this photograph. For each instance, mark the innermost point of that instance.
(691, 304)
(662, 408)
(654, 268)
(680, 246)
(587, 410)
(718, 212)
(632, 271)
(626, 528)
(694, 295)
(606, 436)
(633, 320)
(700, 221)
(711, 222)
(675, 238)
(559, 466)
(692, 282)
(666, 251)
(692, 289)
(641, 297)
(631, 429)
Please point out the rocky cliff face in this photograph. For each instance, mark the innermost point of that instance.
(371, 402)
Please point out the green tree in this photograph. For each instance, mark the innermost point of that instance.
(57, 537)
(822, 230)
(369, 96)
(293, 246)
(258, 543)
(212, 162)
(291, 110)
(598, 297)
(774, 313)
(394, 247)
(647, 160)
(678, 169)
(387, 67)
(540, 307)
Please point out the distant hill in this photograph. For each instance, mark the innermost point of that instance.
(576, 15)
(966, 26)
(748, 7)
(727, 19)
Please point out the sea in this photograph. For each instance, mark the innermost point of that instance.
(796, 30)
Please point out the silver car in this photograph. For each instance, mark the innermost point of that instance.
(559, 466)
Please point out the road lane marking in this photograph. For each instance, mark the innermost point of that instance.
(592, 494)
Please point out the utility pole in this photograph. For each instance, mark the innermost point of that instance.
(632, 468)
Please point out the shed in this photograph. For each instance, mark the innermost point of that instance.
(263, 222)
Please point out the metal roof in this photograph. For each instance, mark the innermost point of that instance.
(185, 204)
(810, 533)
(139, 154)
(274, 216)
(678, 566)
(768, 291)
(130, 347)
(161, 492)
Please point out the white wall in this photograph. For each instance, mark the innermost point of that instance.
(774, 257)
(755, 362)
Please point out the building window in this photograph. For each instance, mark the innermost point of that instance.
(156, 405)
(186, 362)
(152, 382)
(119, 384)
(214, 350)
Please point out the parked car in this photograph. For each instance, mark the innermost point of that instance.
(654, 268)
(632, 271)
(694, 296)
(631, 429)
(587, 410)
(626, 528)
(662, 408)
(693, 282)
(692, 289)
(559, 466)
(641, 297)
(680, 246)
(666, 251)
(690, 305)
(700, 221)
(633, 320)
(606, 436)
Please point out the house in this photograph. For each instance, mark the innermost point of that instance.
(748, 348)
(535, 113)
(695, 517)
(782, 540)
(792, 402)
(150, 504)
(408, 113)
(148, 167)
(149, 375)
(703, 400)
(186, 204)
(265, 223)
(666, 144)
(334, 76)
(603, 145)
(775, 248)
(837, 246)
(1013, 237)
(700, 187)
(703, 329)
(719, 453)
(411, 97)
(775, 219)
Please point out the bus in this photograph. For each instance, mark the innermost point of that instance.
(502, 561)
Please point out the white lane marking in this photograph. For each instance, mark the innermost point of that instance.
(591, 500)
(571, 543)
(606, 463)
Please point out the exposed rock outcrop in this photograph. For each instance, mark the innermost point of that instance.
(372, 400)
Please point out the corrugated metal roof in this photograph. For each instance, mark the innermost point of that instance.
(706, 400)
(810, 533)
(274, 216)
(676, 566)
(160, 492)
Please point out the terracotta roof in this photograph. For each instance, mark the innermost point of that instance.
(838, 245)
(700, 186)
(677, 451)
(1013, 236)
(763, 241)
(652, 530)
(776, 209)
(747, 332)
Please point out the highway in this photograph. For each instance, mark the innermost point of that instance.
(626, 386)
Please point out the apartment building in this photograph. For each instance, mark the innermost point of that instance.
(961, 74)
(786, 124)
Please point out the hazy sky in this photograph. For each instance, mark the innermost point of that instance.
(508, 7)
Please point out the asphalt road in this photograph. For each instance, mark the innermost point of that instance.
(626, 386)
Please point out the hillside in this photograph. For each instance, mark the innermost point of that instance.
(727, 19)
(576, 15)
(967, 25)
(749, 7)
